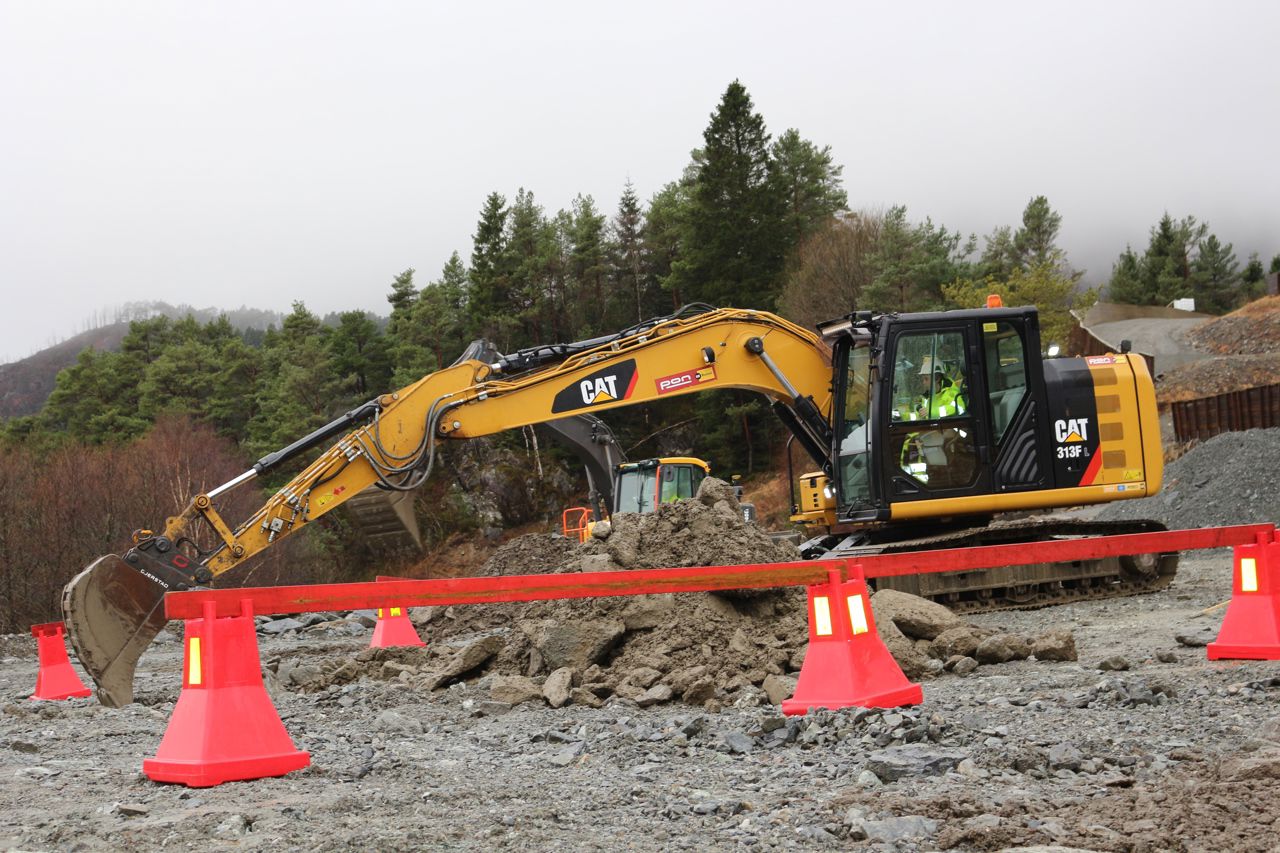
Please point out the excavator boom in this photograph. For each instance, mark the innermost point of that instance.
(114, 608)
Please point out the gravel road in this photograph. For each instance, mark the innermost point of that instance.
(1173, 753)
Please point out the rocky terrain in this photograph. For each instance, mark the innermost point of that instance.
(652, 723)
(1225, 480)
(1245, 353)
(1159, 750)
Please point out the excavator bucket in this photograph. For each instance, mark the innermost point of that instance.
(112, 613)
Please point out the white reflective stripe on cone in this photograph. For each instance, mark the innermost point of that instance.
(1248, 574)
(822, 616)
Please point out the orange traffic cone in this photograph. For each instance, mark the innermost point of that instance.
(1251, 628)
(394, 629)
(847, 664)
(224, 727)
(55, 679)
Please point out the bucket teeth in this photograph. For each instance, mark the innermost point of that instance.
(112, 612)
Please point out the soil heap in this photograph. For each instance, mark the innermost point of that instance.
(710, 649)
(1228, 479)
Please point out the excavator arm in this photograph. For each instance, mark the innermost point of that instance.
(114, 608)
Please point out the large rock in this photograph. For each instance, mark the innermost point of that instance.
(514, 689)
(573, 644)
(962, 640)
(558, 688)
(916, 617)
(913, 759)
(904, 651)
(648, 611)
(1057, 645)
(466, 660)
(396, 723)
(891, 830)
(1002, 648)
(713, 491)
(779, 688)
(623, 544)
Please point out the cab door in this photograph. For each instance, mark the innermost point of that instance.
(934, 414)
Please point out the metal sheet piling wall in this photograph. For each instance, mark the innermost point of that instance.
(1253, 408)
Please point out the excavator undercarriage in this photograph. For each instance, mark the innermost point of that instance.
(1021, 587)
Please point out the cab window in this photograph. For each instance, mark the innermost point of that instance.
(931, 437)
(855, 442)
(928, 377)
(1006, 374)
(670, 484)
(635, 490)
(684, 481)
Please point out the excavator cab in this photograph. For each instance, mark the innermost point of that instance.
(955, 414)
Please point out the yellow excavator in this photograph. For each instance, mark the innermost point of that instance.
(921, 427)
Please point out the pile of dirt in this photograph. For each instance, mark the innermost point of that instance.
(1253, 329)
(1228, 479)
(709, 649)
(1220, 375)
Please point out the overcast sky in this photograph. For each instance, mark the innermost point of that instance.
(259, 153)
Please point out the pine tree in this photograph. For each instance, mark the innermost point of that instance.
(912, 263)
(530, 313)
(667, 233)
(488, 293)
(809, 183)
(403, 293)
(737, 240)
(1035, 243)
(1126, 283)
(626, 260)
(1000, 257)
(587, 266)
(299, 390)
(359, 357)
(1215, 277)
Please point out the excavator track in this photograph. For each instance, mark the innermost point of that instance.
(1028, 587)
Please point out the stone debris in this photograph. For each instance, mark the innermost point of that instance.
(899, 762)
(741, 648)
(1225, 480)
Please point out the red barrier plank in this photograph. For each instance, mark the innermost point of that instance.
(445, 591)
(1059, 550)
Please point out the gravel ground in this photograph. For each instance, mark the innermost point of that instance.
(1229, 479)
(1173, 753)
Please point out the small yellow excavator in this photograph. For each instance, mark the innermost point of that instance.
(640, 487)
(921, 428)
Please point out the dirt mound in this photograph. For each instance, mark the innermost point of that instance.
(741, 648)
(1220, 375)
(534, 554)
(1228, 479)
(1253, 329)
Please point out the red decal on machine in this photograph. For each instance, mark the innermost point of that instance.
(688, 379)
(1101, 359)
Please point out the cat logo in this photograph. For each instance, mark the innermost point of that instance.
(1074, 429)
(602, 389)
(606, 385)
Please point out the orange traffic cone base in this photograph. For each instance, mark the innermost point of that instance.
(847, 665)
(394, 630)
(224, 727)
(56, 679)
(1251, 627)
